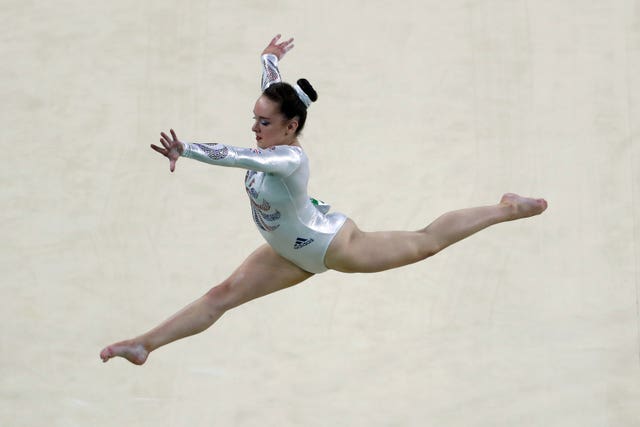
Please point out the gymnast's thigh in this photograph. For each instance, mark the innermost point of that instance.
(356, 251)
(337, 255)
(263, 272)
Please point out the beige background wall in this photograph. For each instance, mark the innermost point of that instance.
(425, 106)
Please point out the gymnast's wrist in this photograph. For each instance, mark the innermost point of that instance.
(183, 148)
(270, 57)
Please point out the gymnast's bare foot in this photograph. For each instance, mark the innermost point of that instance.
(523, 207)
(131, 350)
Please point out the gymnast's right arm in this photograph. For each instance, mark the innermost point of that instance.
(279, 160)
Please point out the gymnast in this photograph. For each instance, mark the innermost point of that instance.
(302, 237)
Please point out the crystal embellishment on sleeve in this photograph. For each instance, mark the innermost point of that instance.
(213, 153)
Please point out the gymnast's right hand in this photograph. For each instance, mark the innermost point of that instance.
(171, 148)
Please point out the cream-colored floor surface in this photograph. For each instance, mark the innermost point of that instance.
(425, 107)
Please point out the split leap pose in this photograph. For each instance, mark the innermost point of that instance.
(302, 237)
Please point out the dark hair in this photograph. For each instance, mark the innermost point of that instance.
(290, 104)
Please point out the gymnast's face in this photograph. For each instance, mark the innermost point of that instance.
(270, 125)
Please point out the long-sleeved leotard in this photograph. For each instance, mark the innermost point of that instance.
(276, 183)
(270, 71)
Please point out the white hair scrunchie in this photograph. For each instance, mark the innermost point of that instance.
(303, 96)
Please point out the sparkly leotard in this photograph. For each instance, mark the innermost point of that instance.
(298, 228)
(276, 183)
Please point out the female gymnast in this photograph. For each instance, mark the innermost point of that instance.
(302, 237)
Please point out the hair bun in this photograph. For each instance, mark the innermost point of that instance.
(308, 89)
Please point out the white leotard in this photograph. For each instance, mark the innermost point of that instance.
(276, 183)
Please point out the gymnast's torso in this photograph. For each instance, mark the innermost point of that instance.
(276, 181)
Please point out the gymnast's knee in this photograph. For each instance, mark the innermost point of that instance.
(429, 245)
(221, 297)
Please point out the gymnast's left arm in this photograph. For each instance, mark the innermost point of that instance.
(273, 53)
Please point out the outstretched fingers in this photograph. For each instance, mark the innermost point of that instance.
(160, 150)
(286, 46)
(165, 140)
(279, 48)
(275, 39)
(171, 148)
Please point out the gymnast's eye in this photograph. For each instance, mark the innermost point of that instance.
(262, 122)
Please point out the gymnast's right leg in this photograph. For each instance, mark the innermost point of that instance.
(355, 251)
(262, 273)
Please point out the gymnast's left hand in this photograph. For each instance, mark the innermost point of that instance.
(277, 48)
(171, 148)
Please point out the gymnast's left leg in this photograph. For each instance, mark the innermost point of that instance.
(355, 251)
(262, 273)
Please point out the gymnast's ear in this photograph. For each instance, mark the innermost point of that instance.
(292, 125)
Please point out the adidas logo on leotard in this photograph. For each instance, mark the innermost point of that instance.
(300, 243)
